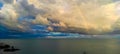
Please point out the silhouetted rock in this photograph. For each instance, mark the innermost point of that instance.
(84, 52)
(4, 46)
(10, 50)
(7, 48)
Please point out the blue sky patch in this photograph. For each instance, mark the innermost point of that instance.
(1, 5)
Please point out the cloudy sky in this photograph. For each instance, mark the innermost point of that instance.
(74, 16)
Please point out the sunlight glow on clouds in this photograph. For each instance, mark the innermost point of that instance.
(77, 16)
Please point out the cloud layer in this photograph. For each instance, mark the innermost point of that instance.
(77, 16)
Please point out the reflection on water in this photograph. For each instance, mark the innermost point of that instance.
(65, 46)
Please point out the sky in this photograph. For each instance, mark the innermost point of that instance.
(64, 16)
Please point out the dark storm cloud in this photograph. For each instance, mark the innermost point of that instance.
(29, 9)
(7, 1)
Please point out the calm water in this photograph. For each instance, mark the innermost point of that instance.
(64, 46)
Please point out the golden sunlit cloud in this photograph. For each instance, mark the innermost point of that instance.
(90, 16)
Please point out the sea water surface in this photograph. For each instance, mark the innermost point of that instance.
(64, 45)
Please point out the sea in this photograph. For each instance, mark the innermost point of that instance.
(64, 46)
